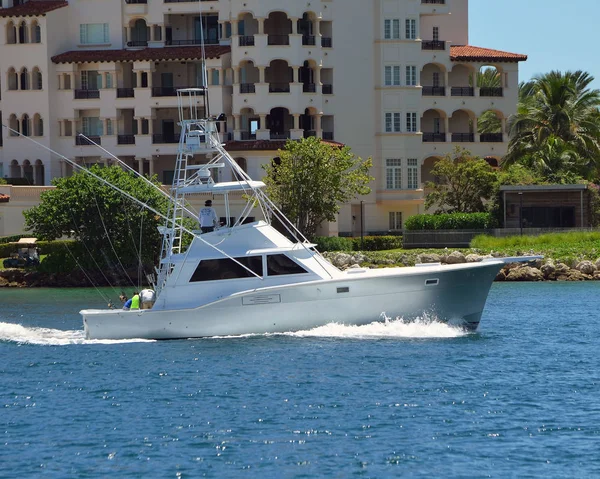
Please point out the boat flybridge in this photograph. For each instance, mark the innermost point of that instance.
(247, 277)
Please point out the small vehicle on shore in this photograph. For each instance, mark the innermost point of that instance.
(26, 255)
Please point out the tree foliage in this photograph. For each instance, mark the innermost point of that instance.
(463, 183)
(313, 179)
(108, 225)
(557, 126)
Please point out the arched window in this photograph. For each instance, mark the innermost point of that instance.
(25, 126)
(14, 126)
(36, 79)
(15, 169)
(39, 172)
(38, 125)
(36, 32)
(24, 79)
(23, 36)
(11, 33)
(13, 79)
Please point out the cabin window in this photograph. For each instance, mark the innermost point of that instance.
(226, 268)
(279, 264)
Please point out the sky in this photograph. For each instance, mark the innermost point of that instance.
(554, 34)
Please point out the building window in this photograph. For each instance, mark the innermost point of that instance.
(91, 126)
(91, 80)
(395, 220)
(411, 75)
(393, 174)
(109, 127)
(109, 81)
(215, 77)
(392, 75)
(391, 29)
(93, 33)
(436, 79)
(413, 179)
(436, 34)
(411, 29)
(392, 122)
(411, 122)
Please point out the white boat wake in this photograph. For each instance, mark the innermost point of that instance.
(18, 333)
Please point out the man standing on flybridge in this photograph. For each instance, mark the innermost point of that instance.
(208, 217)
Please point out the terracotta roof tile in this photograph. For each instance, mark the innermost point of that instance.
(4, 198)
(271, 145)
(478, 54)
(145, 54)
(32, 8)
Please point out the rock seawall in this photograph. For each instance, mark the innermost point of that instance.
(540, 270)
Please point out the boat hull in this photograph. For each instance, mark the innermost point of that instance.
(454, 294)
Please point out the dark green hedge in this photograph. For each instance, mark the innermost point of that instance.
(369, 243)
(453, 221)
(9, 239)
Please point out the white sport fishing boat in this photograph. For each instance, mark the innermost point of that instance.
(249, 278)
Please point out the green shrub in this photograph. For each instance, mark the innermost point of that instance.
(10, 239)
(333, 243)
(58, 262)
(46, 247)
(453, 221)
(377, 243)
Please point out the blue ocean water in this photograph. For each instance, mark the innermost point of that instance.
(518, 398)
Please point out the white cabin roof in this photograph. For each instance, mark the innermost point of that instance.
(222, 188)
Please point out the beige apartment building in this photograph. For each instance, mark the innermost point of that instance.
(395, 80)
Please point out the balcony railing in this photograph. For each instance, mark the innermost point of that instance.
(433, 45)
(434, 2)
(430, 137)
(278, 40)
(309, 88)
(434, 91)
(193, 41)
(87, 94)
(247, 88)
(136, 1)
(137, 43)
(125, 92)
(170, 90)
(279, 87)
(309, 133)
(280, 135)
(491, 91)
(309, 40)
(187, 1)
(327, 89)
(463, 137)
(165, 138)
(462, 91)
(491, 138)
(125, 139)
(81, 141)
(247, 136)
(247, 41)
(328, 135)
(326, 42)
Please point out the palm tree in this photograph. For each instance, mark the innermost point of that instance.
(557, 112)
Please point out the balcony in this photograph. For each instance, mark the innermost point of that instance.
(247, 41)
(463, 137)
(125, 139)
(491, 138)
(136, 2)
(328, 135)
(138, 43)
(180, 43)
(125, 93)
(247, 136)
(279, 87)
(326, 42)
(278, 40)
(247, 88)
(309, 40)
(309, 133)
(434, 137)
(434, 91)
(327, 89)
(87, 94)
(280, 135)
(309, 88)
(462, 91)
(433, 45)
(81, 141)
(491, 91)
(433, 2)
(169, 90)
(159, 138)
